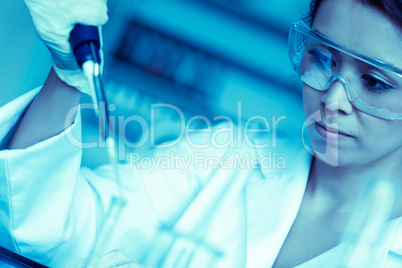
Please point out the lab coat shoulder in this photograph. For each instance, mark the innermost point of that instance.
(37, 187)
(51, 208)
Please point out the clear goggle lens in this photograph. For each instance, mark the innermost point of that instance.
(372, 86)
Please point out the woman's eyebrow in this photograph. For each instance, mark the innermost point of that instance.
(383, 61)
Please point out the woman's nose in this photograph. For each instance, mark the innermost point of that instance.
(336, 99)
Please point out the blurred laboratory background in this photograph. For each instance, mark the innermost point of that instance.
(205, 57)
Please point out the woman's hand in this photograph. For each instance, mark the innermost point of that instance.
(54, 20)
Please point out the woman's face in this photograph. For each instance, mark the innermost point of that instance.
(367, 140)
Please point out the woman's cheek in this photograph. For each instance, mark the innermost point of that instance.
(311, 100)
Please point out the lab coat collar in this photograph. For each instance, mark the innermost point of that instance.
(274, 200)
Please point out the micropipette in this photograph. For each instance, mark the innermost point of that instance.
(85, 43)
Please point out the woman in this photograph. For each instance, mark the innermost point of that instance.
(352, 104)
(279, 218)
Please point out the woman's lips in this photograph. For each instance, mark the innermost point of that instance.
(330, 133)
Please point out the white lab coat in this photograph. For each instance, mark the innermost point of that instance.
(51, 208)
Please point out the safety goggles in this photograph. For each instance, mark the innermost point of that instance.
(372, 86)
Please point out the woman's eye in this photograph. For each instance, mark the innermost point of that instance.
(375, 85)
(321, 59)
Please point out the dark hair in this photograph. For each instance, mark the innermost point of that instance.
(391, 8)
